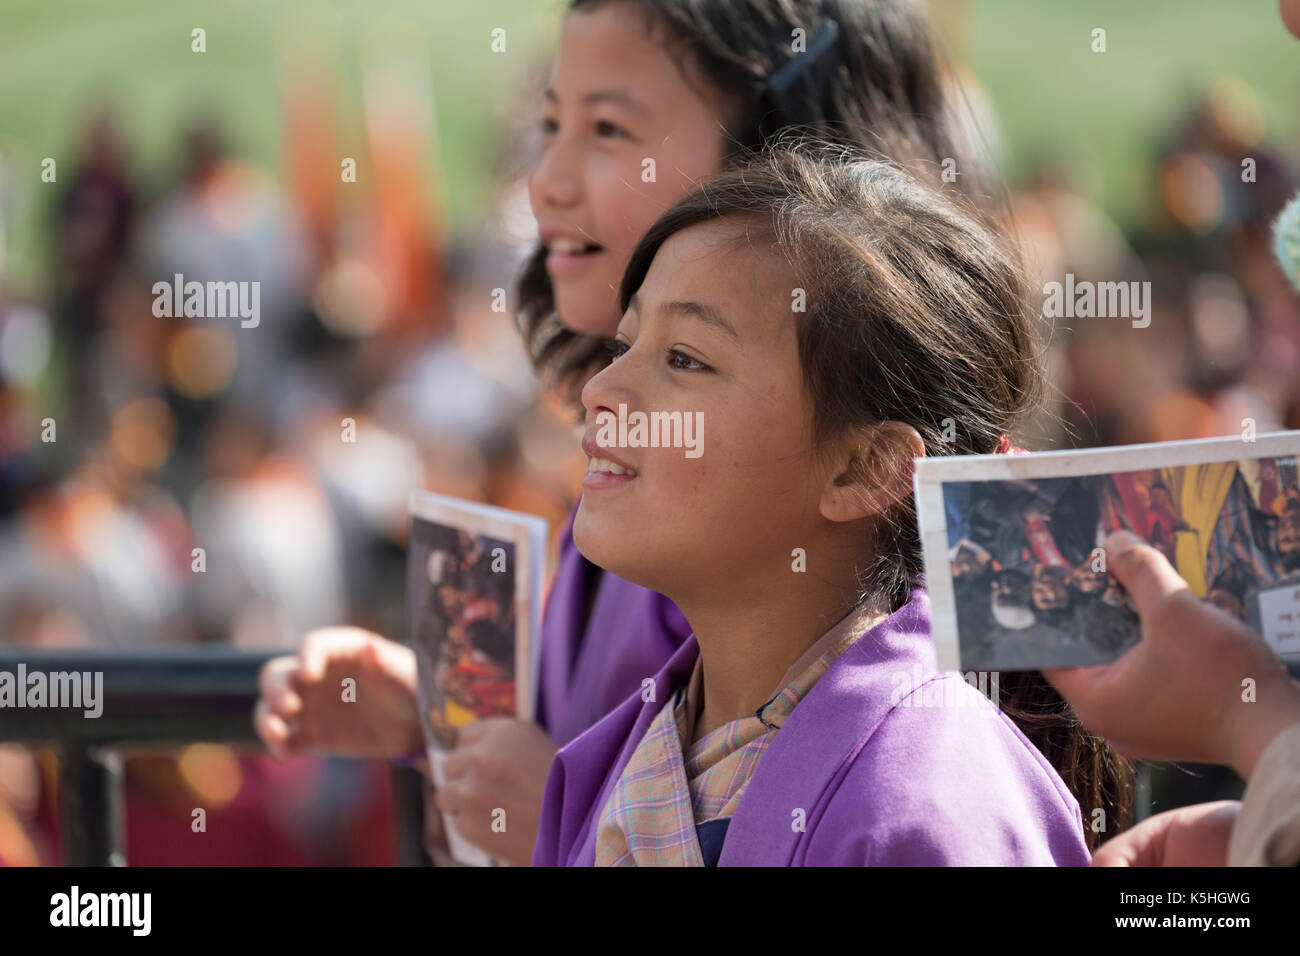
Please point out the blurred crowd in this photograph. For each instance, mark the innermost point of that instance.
(1223, 344)
(172, 480)
(166, 480)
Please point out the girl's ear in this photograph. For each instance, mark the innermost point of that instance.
(871, 470)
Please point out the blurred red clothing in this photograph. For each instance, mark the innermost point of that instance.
(267, 823)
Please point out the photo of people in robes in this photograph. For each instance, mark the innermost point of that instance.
(463, 625)
(1028, 569)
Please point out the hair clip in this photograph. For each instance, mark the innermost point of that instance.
(781, 80)
(1006, 448)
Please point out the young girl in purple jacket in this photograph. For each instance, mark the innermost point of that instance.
(828, 319)
(690, 86)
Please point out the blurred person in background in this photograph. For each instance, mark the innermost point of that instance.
(93, 231)
(1189, 711)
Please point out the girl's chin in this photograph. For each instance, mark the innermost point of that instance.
(606, 546)
(591, 539)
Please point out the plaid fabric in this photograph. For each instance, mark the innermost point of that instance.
(652, 812)
(648, 820)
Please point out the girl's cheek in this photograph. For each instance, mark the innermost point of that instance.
(591, 310)
(627, 206)
(632, 218)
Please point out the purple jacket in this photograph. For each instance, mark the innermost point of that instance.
(596, 651)
(880, 772)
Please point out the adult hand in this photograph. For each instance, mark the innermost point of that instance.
(302, 707)
(1188, 836)
(1199, 686)
(499, 764)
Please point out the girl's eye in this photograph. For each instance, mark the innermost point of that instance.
(606, 129)
(549, 126)
(684, 363)
(615, 348)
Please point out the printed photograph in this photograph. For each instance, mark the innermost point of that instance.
(463, 626)
(1028, 572)
(473, 587)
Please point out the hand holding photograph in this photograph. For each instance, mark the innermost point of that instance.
(1014, 552)
(474, 578)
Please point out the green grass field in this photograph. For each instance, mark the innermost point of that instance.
(59, 57)
(1109, 110)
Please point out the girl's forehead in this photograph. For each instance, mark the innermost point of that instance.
(732, 243)
(728, 264)
(616, 46)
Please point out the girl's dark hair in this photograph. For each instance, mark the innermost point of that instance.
(877, 87)
(914, 313)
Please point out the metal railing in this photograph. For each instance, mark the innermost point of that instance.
(155, 698)
(165, 698)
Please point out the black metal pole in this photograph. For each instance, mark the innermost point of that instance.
(154, 697)
(91, 806)
(408, 812)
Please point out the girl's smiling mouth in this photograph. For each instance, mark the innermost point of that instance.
(604, 464)
(566, 253)
(603, 470)
(603, 474)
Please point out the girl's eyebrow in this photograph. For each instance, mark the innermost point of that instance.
(617, 97)
(697, 310)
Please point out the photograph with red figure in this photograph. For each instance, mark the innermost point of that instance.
(1026, 563)
(473, 596)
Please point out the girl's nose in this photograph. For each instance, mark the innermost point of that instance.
(555, 182)
(610, 386)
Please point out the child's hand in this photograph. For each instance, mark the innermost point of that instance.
(435, 834)
(1178, 694)
(1189, 836)
(499, 764)
(302, 707)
